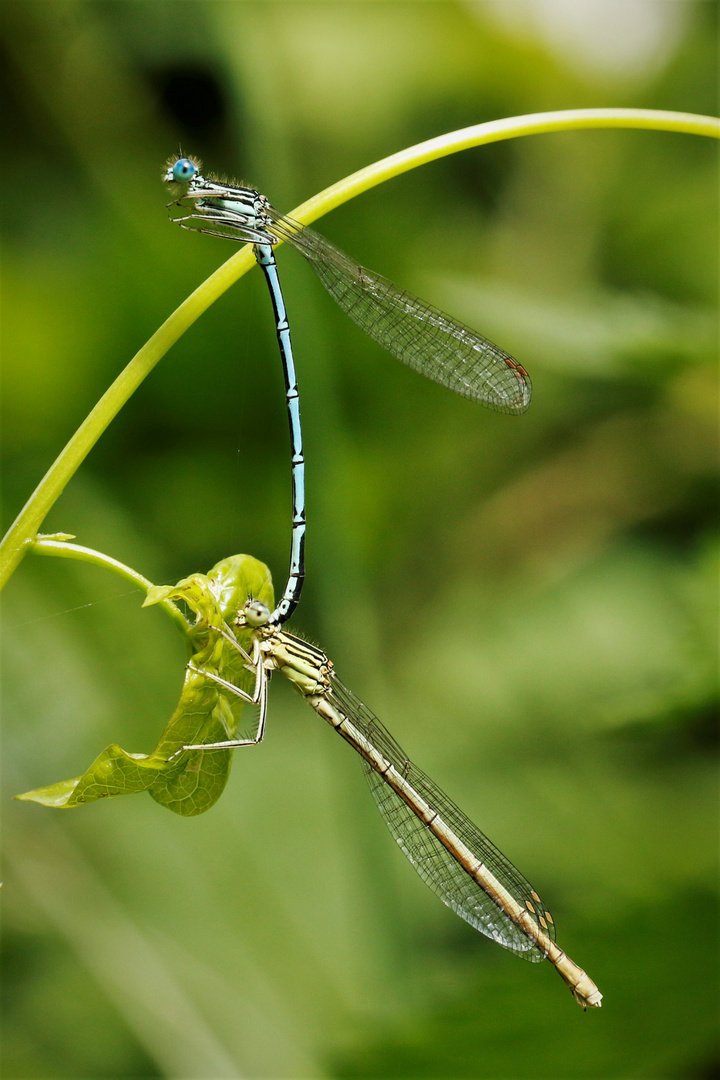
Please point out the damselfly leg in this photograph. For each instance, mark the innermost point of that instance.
(258, 697)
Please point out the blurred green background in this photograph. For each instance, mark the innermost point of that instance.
(528, 603)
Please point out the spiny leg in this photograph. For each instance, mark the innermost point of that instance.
(226, 633)
(258, 697)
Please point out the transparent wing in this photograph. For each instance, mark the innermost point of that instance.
(433, 862)
(415, 332)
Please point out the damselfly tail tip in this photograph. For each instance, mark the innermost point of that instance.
(582, 987)
(592, 999)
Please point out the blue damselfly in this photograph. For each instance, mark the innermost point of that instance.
(418, 334)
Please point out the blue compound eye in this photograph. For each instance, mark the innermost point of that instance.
(183, 170)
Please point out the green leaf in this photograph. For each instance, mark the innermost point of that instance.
(191, 783)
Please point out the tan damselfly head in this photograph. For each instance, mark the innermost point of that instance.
(254, 613)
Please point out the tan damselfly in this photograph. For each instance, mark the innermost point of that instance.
(452, 856)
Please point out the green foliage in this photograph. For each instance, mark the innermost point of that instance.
(529, 604)
(191, 783)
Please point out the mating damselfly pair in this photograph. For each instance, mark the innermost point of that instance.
(449, 852)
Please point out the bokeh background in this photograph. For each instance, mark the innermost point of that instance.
(528, 603)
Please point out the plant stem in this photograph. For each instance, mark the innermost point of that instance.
(496, 131)
(23, 531)
(58, 544)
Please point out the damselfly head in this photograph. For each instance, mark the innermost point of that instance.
(254, 613)
(181, 170)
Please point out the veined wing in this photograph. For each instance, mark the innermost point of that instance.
(415, 332)
(434, 863)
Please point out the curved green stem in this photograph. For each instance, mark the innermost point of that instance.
(58, 544)
(496, 131)
(23, 531)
